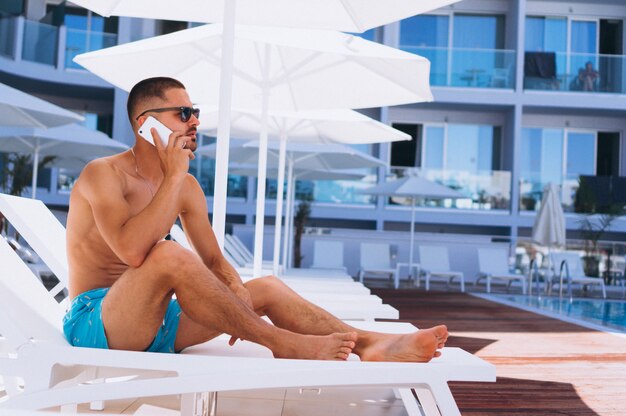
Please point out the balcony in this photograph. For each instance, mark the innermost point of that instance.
(576, 72)
(484, 190)
(473, 68)
(55, 46)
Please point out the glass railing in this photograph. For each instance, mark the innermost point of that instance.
(7, 35)
(329, 192)
(598, 193)
(475, 68)
(482, 190)
(579, 72)
(40, 42)
(81, 41)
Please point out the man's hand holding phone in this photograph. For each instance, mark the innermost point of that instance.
(171, 146)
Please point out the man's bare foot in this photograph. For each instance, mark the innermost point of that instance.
(315, 347)
(418, 347)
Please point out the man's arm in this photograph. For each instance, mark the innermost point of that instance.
(195, 221)
(130, 237)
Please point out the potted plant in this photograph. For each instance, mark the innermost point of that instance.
(592, 228)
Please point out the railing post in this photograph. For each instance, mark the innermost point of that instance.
(18, 41)
(61, 47)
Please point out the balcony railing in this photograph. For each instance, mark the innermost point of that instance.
(582, 72)
(7, 30)
(56, 46)
(39, 43)
(483, 190)
(475, 68)
(81, 41)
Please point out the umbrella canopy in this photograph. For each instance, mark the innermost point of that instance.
(549, 227)
(413, 187)
(71, 143)
(18, 109)
(345, 15)
(312, 126)
(294, 69)
(301, 155)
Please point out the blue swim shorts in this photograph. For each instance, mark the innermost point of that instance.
(83, 327)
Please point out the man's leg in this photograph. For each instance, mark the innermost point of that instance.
(287, 309)
(134, 307)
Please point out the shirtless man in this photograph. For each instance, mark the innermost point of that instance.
(123, 273)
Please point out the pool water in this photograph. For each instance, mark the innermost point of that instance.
(608, 314)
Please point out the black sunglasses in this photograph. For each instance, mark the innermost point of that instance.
(185, 112)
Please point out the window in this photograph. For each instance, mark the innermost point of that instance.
(86, 32)
(427, 35)
(11, 7)
(406, 153)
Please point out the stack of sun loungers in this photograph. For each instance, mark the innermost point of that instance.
(40, 370)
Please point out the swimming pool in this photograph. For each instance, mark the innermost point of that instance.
(606, 315)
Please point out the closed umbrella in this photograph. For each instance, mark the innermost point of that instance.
(300, 156)
(414, 187)
(18, 109)
(549, 227)
(274, 69)
(71, 143)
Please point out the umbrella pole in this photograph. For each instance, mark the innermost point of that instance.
(279, 202)
(260, 195)
(35, 170)
(288, 215)
(412, 235)
(223, 128)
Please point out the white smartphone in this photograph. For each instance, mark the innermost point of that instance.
(144, 130)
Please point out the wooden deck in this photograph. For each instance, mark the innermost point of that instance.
(544, 366)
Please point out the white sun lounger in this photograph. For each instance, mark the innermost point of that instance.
(575, 269)
(493, 265)
(28, 215)
(435, 263)
(56, 374)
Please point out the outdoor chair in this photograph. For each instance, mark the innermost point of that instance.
(560, 276)
(376, 260)
(41, 370)
(493, 265)
(435, 263)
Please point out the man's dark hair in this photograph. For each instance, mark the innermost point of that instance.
(149, 88)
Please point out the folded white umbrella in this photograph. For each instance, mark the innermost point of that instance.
(71, 143)
(414, 187)
(549, 226)
(274, 69)
(18, 109)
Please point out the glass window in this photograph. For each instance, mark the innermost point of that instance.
(581, 154)
(433, 148)
(427, 36)
(405, 153)
(584, 48)
(470, 148)
(547, 34)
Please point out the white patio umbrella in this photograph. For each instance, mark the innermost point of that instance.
(413, 187)
(313, 126)
(303, 156)
(348, 15)
(274, 68)
(72, 142)
(345, 15)
(549, 227)
(298, 174)
(18, 109)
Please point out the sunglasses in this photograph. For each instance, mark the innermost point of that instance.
(185, 112)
